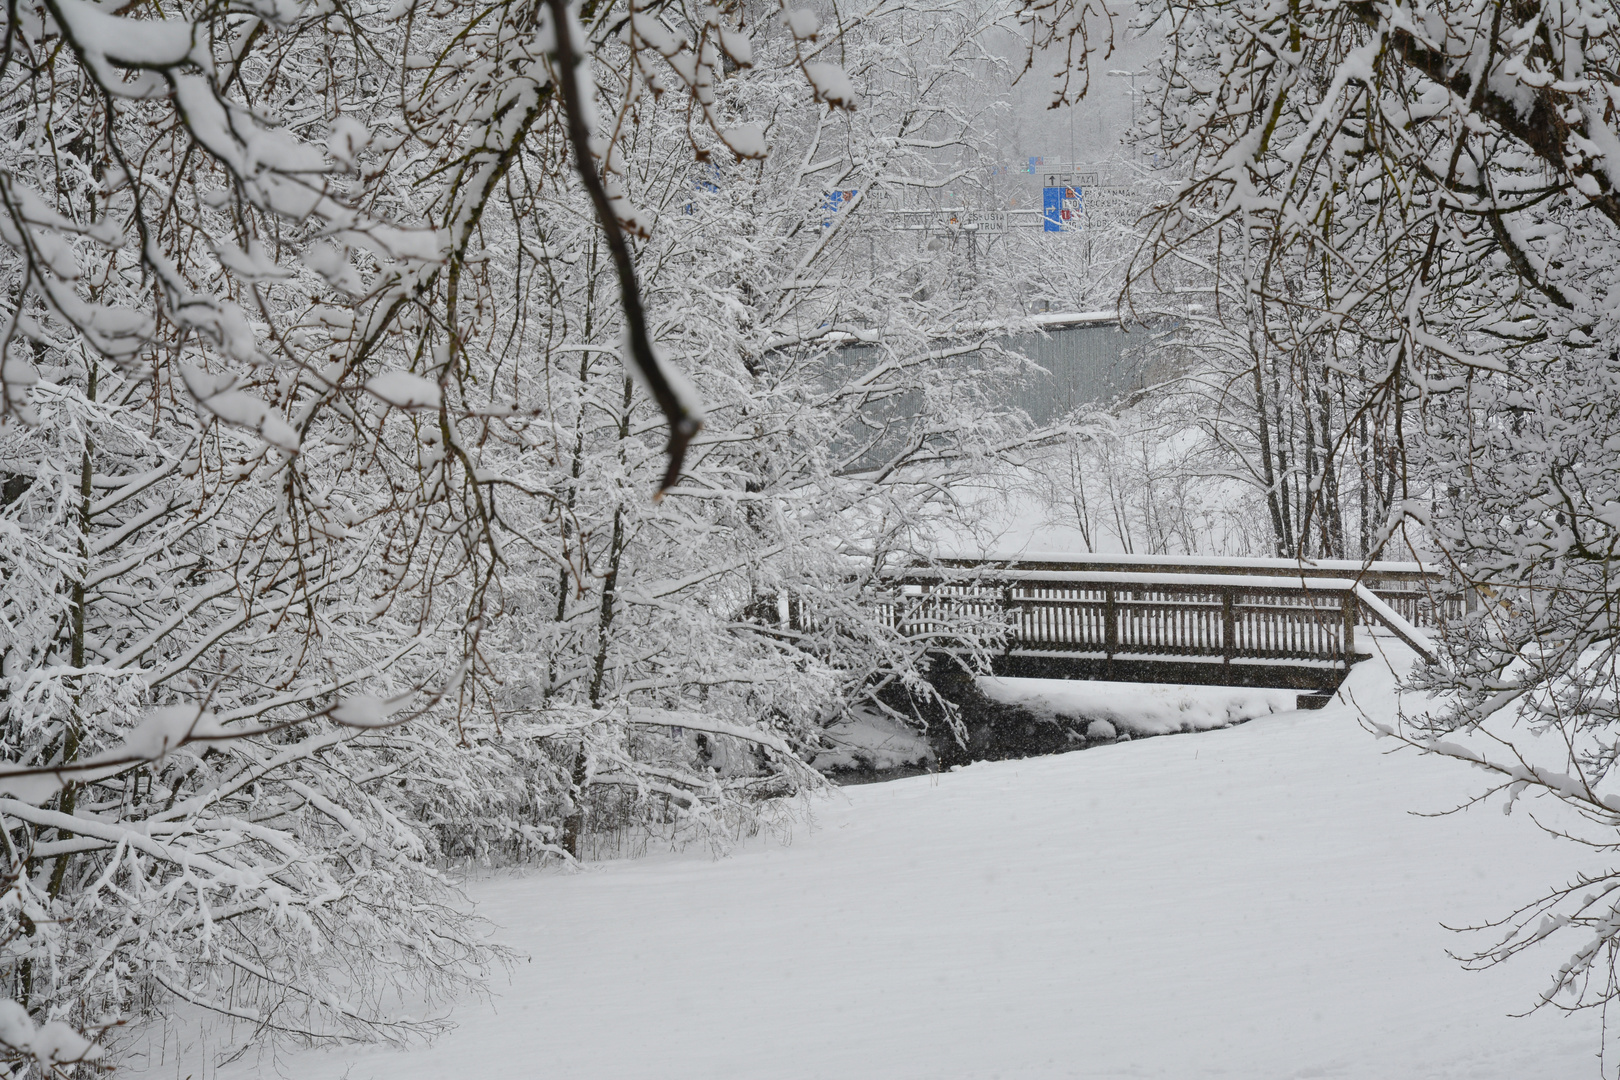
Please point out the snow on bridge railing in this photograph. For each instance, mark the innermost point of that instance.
(1421, 593)
(1374, 605)
(1152, 608)
(1212, 564)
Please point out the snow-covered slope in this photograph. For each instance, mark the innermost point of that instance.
(1256, 902)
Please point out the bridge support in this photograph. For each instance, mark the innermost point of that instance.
(1030, 665)
(995, 731)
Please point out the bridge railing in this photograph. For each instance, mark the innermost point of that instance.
(1181, 616)
(1423, 608)
(1422, 595)
(1189, 620)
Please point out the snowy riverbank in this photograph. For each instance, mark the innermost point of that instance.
(1137, 709)
(871, 747)
(1255, 902)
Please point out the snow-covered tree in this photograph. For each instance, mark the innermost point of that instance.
(1279, 399)
(1411, 209)
(821, 340)
(343, 358)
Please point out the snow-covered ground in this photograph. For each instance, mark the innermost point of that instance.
(1140, 708)
(1251, 903)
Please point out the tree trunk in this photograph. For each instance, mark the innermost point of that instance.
(574, 823)
(68, 800)
(1267, 475)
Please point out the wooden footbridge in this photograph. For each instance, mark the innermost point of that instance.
(1232, 622)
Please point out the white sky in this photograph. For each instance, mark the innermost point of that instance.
(1090, 132)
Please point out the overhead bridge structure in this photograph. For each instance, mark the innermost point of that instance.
(1232, 622)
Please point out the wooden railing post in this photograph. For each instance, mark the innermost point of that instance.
(1013, 622)
(1110, 628)
(1352, 608)
(1228, 627)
